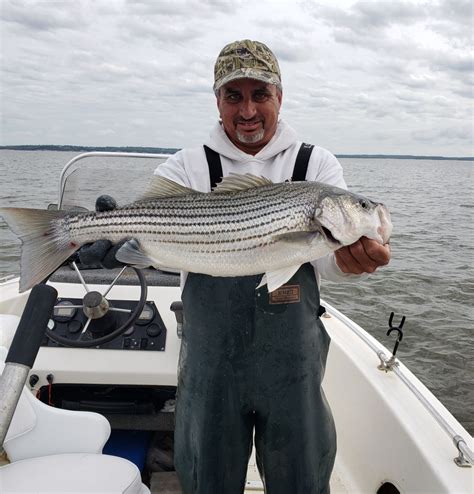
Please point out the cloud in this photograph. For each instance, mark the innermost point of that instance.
(454, 62)
(454, 20)
(162, 32)
(407, 31)
(172, 8)
(289, 38)
(444, 134)
(367, 20)
(43, 16)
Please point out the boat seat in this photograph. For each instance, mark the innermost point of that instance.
(74, 472)
(57, 451)
(8, 325)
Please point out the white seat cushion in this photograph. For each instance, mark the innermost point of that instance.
(8, 325)
(72, 473)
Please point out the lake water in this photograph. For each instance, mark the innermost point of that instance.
(429, 280)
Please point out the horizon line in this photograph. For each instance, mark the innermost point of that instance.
(75, 147)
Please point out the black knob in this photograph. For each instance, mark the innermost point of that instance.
(33, 380)
(74, 326)
(153, 330)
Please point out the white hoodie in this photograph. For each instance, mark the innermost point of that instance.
(275, 161)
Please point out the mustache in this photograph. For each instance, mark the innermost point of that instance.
(250, 120)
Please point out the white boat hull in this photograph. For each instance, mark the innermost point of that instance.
(385, 434)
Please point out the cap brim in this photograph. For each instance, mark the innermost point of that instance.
(248, 73)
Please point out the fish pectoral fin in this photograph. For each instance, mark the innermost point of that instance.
(164, 187)
(130, 253)
(275, 279)
(236, 181)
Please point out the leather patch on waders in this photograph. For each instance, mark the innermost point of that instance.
(286, 294)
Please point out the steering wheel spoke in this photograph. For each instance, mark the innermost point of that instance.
(68, 306)
(79, 274)
(84, 329)
(114, 281)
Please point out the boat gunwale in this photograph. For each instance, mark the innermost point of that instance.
(466, 455)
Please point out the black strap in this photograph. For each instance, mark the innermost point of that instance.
(301, 163)
(299, 171)
(215, 166)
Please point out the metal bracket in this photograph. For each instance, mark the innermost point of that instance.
(385, 363)
(461, 460)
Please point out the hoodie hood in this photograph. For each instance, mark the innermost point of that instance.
(284, 137)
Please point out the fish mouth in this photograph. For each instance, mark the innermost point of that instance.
(328, 236)
(385, 228)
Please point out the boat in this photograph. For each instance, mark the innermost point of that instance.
(394, 435)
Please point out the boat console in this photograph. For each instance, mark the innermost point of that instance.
(146, 332)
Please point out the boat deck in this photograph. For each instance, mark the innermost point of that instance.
(168, 483)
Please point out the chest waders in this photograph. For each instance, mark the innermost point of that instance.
(252, 363)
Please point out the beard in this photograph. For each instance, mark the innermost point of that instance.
(250, 139)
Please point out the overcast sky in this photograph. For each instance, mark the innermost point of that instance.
(374, 76)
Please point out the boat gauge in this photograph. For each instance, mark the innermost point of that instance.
(74, 326)
(63, 311)
(147, 315)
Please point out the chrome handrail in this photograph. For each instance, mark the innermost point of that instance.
(465, 456)
(7, 277)
(63, 176)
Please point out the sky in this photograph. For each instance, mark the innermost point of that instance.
(379, 76)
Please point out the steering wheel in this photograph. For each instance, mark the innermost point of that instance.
(96, 306)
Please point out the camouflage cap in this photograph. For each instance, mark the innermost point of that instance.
(246, 59)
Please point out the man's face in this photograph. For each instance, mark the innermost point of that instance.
(249, 112)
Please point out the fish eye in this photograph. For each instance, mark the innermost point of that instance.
(364, 203)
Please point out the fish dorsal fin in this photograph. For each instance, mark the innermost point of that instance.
(235, 181)
(164, 187)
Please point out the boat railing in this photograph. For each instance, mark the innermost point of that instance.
(65, 171)
(465, 456)
(7, 277)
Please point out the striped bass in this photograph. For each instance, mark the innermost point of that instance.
(246, 226)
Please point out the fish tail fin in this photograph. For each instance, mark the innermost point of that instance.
(44, 246)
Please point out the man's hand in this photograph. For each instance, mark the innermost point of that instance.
(102, 252)
(363, 256)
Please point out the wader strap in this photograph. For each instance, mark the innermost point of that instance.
(301, 163)
(299, 171)
(299, 175)
(215, 166)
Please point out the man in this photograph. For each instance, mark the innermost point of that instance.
(250, 363)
